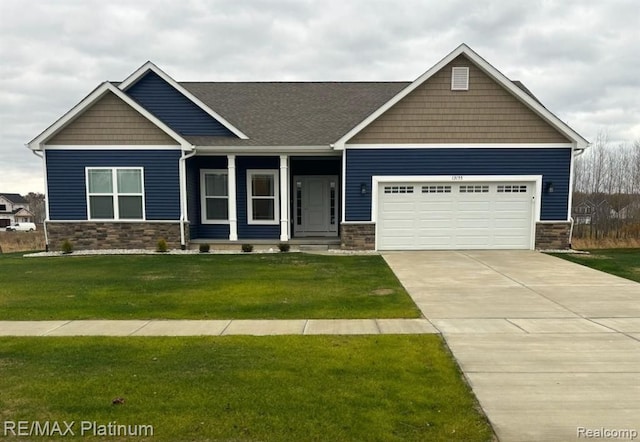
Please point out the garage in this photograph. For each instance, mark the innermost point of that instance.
(455, 215)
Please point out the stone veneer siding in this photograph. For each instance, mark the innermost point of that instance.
(114, 235)
(548, 236)
(553, 236)
(358, 236)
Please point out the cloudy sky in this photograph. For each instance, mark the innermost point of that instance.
(580, 57)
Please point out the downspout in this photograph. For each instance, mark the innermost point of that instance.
(183, 195)
(577, 153)
(46, 200)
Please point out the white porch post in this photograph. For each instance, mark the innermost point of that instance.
(284, 198)
(233, 216)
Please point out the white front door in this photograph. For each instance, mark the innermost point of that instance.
(315, 205)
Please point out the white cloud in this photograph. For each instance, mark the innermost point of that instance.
(577, 56)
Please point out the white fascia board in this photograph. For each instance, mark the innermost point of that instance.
(462, 146)
(578, 140)
(149, 66)
(267, 150)
(113, 147)
(38, 142)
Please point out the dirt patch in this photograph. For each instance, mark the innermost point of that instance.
(153, 277)
(382, 292)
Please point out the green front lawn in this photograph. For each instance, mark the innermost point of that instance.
(620, 262)
(293, 388)
(256, 286)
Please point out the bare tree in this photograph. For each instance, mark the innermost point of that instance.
(36, 205)
(608, 177)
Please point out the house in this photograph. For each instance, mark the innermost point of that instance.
(14, 209)
(460, 158)
(601, 208)
(630, 212)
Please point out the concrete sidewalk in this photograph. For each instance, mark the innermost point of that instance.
(217, 327)
(550, 348)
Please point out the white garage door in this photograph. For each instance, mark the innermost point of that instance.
(414, 216)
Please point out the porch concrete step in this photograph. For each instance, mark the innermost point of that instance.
(313, 247)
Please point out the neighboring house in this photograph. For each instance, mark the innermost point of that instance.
(630, 212)
(589, 212)
(461, 158)
(14, 209)
(586, 211)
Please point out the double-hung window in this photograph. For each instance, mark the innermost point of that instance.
(115, 193)
(262, 197)
(214, 191)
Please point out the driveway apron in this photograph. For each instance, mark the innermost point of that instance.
(550, 348)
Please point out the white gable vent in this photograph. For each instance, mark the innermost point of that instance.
(460, 79)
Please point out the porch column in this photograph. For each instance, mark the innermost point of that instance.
(284, 198)
(233, 216)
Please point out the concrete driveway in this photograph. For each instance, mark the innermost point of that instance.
(550, 348)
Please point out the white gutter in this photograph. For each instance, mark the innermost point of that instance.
(46, 200)
(183, 195)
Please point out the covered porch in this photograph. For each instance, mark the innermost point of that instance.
(264, 199)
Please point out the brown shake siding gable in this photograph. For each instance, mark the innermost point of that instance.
(433, 113)
(111, 121)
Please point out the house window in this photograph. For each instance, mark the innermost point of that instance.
(115, 193)
(3, 207)
(262, 197)
(214, 193)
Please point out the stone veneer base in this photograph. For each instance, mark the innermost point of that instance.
(360, 236)
(114, 235)
(553, 236)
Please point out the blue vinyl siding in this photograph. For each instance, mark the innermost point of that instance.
(196, 228)
(245, 230)
(221, 231)
(552, 164)
(174, 109)
(66, 190)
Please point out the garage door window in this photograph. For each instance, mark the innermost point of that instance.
(512, 188)
(398, 189)
(474, 189)
(436, 189)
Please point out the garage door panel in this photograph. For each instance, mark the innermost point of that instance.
(435, 206)
(474, 206)
(436, 240)
(435, 224)
(455, 216)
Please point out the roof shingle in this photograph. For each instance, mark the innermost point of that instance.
(291, 113)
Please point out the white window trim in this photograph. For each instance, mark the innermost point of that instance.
(114, 194)
(276, 196)
(203, 196)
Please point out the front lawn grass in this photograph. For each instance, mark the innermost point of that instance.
(285, 388)
(257, 286)
(620, 262)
